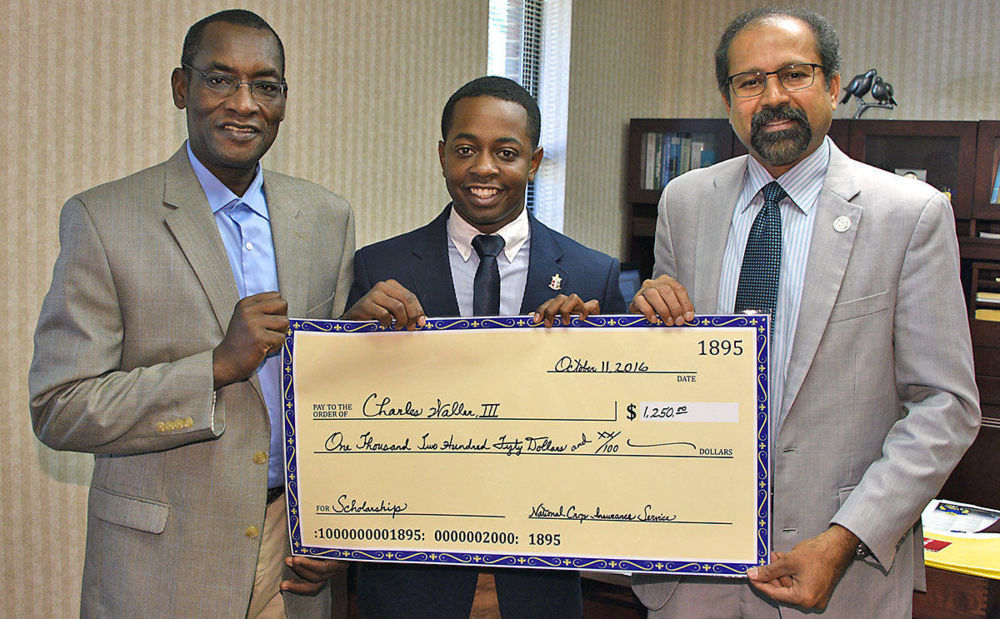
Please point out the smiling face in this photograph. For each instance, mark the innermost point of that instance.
(778, 127)
(487, 160)
(230, 134)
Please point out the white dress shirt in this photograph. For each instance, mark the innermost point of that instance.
(512, 262)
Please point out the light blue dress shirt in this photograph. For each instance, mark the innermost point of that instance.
(246, 232)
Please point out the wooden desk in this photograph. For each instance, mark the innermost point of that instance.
(954, 595)
(609, 596)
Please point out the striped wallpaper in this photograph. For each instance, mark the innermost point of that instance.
(87, 101)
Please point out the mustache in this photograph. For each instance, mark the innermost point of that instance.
(769, 114)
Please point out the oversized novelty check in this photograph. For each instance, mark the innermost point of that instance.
(609, 444)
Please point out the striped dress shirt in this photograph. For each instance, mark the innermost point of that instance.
(803, 184)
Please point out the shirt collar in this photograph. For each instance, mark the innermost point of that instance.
(802, 182)
(514, 234)
(219, 195)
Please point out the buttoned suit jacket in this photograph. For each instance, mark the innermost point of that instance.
(142, 291)
(419, 261)
(880, 400)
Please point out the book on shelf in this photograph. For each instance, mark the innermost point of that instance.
(685, 155)
(996, 176)
(642, 162)
(662, 176)
(665, 156)
(696, 151)
(661, 156)
(992, 315)
(673, 169)
(649, 161)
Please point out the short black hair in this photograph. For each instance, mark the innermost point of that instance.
(498, 88)
(827, 40)
(237, 17)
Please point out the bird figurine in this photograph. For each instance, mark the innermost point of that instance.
(882, 91)
(863, 83)
(859, 85)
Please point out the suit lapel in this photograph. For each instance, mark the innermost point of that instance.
(291, 243)
(714, 221)
(543, 268)
(430, 273)
(829, 253)
(192, 224)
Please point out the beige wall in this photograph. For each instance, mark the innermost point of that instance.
(87, 101)
(616, 73)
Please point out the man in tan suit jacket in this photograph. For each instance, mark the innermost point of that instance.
(879, 400)
(146, 356)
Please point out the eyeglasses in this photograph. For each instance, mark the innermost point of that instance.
(793, 77)
(225, 85)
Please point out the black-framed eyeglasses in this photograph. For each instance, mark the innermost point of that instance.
(793, 77)
(225, 85)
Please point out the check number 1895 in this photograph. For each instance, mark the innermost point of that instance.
(716, 348)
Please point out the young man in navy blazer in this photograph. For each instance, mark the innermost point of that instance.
(489, 152)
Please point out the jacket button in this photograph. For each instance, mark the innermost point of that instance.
(260, 457)
(252, 532)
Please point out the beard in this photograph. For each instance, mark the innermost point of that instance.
(780, 148)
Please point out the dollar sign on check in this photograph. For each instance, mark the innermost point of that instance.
(631, 412)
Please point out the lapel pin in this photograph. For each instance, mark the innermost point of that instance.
(842, 223)
(556, 282)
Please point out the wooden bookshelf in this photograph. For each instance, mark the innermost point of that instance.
(986, 204)
(655, 154)
(944, 150)
(652, 163)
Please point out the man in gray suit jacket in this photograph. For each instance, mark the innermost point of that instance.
(147, 356)
(872, 385)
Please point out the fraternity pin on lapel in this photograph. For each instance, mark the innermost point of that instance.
(842, 223)
(556, 283)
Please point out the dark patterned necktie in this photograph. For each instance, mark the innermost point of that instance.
(758, 286)
(486, 285)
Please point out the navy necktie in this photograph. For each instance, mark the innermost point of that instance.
(486, 285)
(758, 286)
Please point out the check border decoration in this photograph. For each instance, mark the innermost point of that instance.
(692, 568)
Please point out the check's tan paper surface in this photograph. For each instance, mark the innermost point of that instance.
(618, 449)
